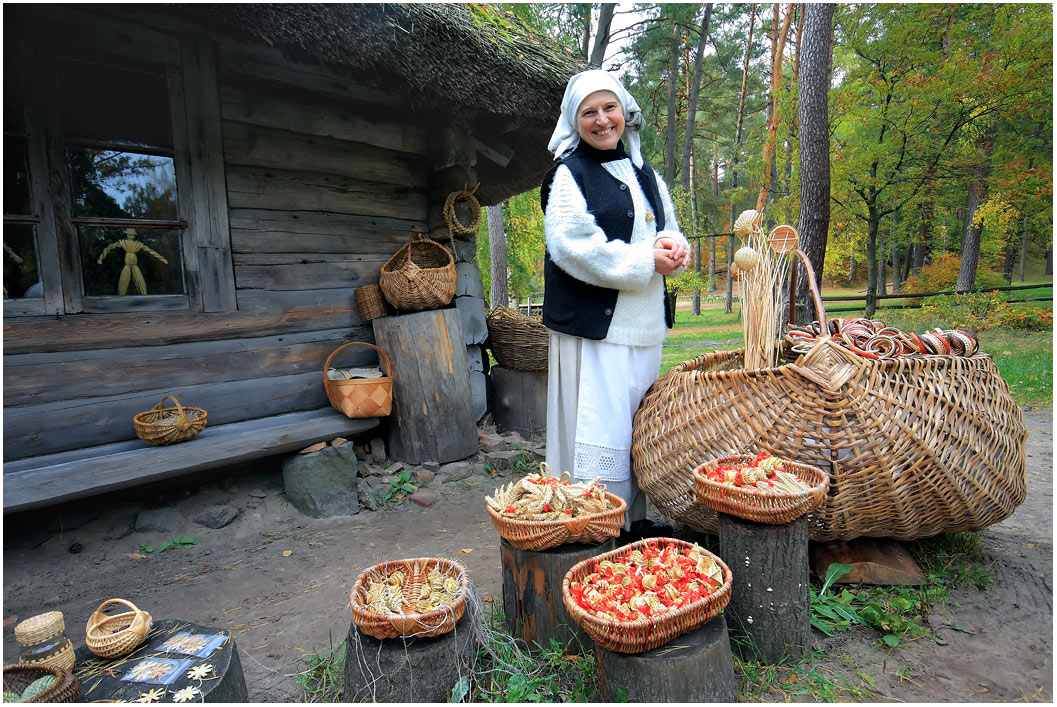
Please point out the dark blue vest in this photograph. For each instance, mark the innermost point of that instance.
(572, 306)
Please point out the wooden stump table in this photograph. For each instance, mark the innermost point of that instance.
(176, 656)
(770, 604)
(694, 667)
(408, 669)
(532, 592)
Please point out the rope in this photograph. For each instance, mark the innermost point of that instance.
(452, 220)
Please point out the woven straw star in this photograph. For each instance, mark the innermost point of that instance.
(151, 695)
(186, 694)
(200, 671)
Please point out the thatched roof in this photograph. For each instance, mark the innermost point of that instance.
(473, 63)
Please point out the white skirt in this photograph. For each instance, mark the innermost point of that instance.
(593, 391)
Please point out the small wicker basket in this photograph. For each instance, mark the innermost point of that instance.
(645, 634)
(419, 625)
(517, 342)
(770, 508)
(164, 424)
(112, 636)
(361, 397)
(371, 303)
(419, 276)
(536, 535)
(42, 639)
(67, 688)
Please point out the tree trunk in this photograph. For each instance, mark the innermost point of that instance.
(691, 109)
(734, 161)
(882, 274)
(715, 200)
(924, 244)
(813, 116)
(673, 75)
(605, 21)
(908, 261)
(972, 232)
(871, 259)
(1023, 247)
(851, 271)
(897, 271)
(499, 297)
(777, 48)
(1049, 260)
(585, 39)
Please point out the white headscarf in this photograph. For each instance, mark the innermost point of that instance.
(566, 137)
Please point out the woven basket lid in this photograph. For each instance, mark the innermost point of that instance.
(38, 628)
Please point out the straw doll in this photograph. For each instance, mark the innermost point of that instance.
(131, 270)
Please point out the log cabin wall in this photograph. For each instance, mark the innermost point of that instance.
(302, 184)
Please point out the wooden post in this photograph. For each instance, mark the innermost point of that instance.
(520, 400)
(770, 605)
(532, 591)
(694, 667)
(433, 417)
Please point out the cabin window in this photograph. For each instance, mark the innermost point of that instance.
(21, 268)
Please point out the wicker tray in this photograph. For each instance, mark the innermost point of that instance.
(67, 688)
(423, 625)
(419, 276)
(772, 508)
(361, 397)
(517, 342)
(164, 424)
(645, 634)
(112, 636)
(536, 535)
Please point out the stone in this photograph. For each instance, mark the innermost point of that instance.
(68, 521)
(396, 467)
(509, 457)
(423, 476)
(258, 493)
(465, 252)
(474, 324)
(338, 441)
(28, 538)
(160, 520)
(216, 516)
(361, 452)
(371, 470)
(313, 448)
(378, 450)
(424, 497)
(512, 437)
(492, 443)
(431, 466)
(371, 493)
(454, 471)
(469, 281)
(324, 484)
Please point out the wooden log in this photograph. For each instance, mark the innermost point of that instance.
(267, 231)
(872, 560)
(306, 271)
(432, 418)
(408, 670)
(520, 400)
(770, 605)
(226, 682)
(532, 592)
(694, 667)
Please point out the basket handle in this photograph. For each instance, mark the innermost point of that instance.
(382, 355)
(179, 411)
(813, 285)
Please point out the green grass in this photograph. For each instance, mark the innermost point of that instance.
(322, 674)
(758, 682)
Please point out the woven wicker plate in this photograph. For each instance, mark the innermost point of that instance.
(645, 634)
(420, 625)
(536, 535)
(750, 504)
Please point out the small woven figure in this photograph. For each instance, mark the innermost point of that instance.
(131, 270)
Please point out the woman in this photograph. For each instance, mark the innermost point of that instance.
(611, 239)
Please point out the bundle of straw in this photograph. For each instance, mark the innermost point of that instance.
(763, 274)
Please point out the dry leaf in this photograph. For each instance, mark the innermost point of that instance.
(314, 448)
(467, 550)
(287, 553)
(488, 599)
(135, 556)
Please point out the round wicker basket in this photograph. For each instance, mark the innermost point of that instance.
(420, 625)
(419, 276)
(536, 535)
(645, 634)
(361, 397)
(517, 342)
(43, 640)
(67, 688)
(914, 447)
(112, 636)
(164, 424)
(757, 506)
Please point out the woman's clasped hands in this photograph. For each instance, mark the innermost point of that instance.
(669, 255)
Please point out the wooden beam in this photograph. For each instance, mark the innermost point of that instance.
(47, 480)
(257, 231)
(497, 152)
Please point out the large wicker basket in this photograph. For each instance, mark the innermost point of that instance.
(517, 342)
(66, 688)
(914, 446)
(419, 276)
(536, 535)
(421, 625)
(757, 506)
(361, 397)
(644, 634)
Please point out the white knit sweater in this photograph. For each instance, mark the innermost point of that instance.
(579, 247)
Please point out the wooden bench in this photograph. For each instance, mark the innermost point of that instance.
(53, 478)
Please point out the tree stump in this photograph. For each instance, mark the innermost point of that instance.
(770, 605)
(408, 669)
(433, 417)
(532, 592)
(694, 667)
(225, 683)
(520, 400)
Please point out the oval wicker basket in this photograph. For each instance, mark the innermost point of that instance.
(361, 397)
(44, 636)
(67, 688)
(536, 535)
(750, 504)
(419, 276)
(164, 424)
(112, 636)
(420, 625)
(645, 634)
(913, 447)
(517, 342)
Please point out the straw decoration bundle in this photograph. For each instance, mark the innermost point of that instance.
(762, 275)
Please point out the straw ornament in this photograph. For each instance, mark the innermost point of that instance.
(450, 218)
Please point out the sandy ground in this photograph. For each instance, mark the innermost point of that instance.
(280, 580)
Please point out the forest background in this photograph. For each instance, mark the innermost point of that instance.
(931, 157)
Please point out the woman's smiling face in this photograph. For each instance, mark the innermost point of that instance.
(600, 120)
